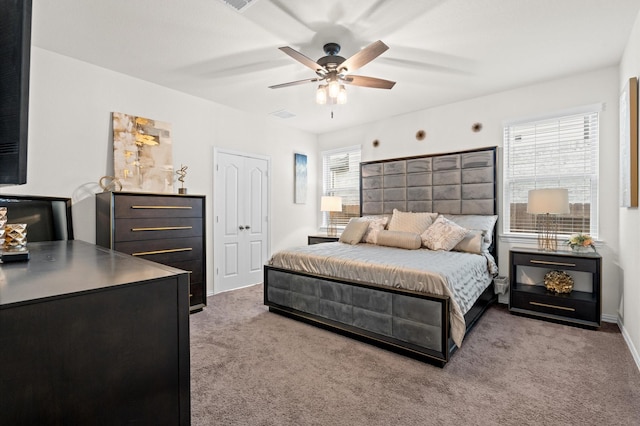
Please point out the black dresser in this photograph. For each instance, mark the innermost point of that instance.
(164, 228)
(92, 336)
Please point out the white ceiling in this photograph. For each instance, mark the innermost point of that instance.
(440, 51)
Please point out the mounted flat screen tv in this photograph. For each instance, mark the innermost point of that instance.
(47, 218)
(15, 52)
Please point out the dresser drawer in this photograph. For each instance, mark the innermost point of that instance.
(565, 263)
(140, 206)
(580, 306)
(194, 267)
(163, 251)
(157, 228)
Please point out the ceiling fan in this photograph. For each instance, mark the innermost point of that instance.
(334, 71)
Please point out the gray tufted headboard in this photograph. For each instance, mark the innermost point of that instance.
(457, 183)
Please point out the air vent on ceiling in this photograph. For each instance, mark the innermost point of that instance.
(283, 113)
(239, 5)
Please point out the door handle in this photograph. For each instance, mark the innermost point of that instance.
(241, 228)
(247, 227)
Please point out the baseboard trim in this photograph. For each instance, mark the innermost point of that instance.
(632, 348)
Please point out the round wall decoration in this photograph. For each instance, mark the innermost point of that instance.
(476, 127)
(558, 281)
(420, 135)
(376, 143)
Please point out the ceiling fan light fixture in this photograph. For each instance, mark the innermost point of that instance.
(342, 95)
(334, 89)
(321, 95)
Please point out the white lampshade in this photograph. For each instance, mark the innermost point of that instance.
(548, 200)
(331, 204)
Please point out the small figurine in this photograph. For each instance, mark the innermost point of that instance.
(182, 173)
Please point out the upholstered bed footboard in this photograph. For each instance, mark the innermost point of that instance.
(413, 323)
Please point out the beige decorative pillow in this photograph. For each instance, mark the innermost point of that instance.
(405, 240)
(443, 234)
(376, 224)
(471, 243)
(353, 232)
(411, 222)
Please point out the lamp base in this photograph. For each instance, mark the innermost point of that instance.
(548, 233)
(332, 230)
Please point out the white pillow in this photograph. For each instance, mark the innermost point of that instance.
(353, 232)
(405, 240)
(411, 222)
(482, 222)
(443, 234)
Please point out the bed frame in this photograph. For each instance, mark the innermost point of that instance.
(409, 322)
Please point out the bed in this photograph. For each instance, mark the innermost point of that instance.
(418, 302)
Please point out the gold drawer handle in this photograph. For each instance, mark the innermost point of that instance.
(144, 253)
(162, 228)
(553, 306)
(162, 207)
(544, 262)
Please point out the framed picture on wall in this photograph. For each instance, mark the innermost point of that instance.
(629, 144)
(300, 179)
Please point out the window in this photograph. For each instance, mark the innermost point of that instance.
(341, 178)
(555, 152)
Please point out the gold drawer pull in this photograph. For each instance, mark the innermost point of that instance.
(144, 253)
(162, 207)
(544, 262)
(552, 306)
(162, 228)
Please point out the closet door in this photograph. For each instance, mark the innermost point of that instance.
(241, 219)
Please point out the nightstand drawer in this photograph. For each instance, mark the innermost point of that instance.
(565, 263)
(578, 306)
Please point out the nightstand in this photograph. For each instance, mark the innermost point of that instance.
(317, 239)
(528, 296)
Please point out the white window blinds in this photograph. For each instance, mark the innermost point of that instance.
(558, 152)
(341, 178)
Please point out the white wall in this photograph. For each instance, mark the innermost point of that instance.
(448, 129)
(70, 144)
(630, 221)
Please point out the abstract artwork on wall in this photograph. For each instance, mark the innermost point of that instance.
(142, 154)
(300, 177)
(629, 144)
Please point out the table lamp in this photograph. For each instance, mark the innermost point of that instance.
(331, 205)
(548, 202)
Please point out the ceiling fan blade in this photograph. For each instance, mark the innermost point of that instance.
(303, 59)
(376, 83)
(294, 83)
(363, 57)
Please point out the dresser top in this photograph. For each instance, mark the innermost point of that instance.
(59, 268)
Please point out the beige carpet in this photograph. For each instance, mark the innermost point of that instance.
(253, 367)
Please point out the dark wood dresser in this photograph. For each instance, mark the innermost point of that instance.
(164, 228)
(91, 336)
